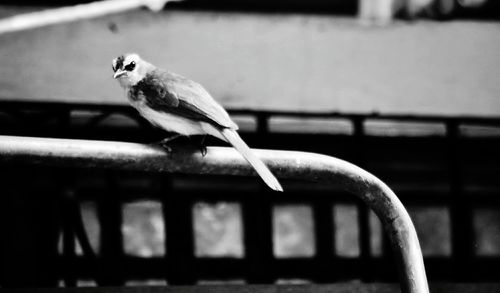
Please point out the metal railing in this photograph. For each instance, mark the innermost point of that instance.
(31, 151)
(450, 172)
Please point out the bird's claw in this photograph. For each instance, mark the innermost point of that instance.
(164, 143)
(203, 150)
(166, 147)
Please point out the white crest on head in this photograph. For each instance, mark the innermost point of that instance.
(129, 58)
(134, 67)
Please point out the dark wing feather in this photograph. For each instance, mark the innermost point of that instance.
(173, 93)
(155, 92)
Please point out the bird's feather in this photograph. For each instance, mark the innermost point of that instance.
(235, 140)
(178, 104)
(172, 93)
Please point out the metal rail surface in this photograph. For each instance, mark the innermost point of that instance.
(226, 161)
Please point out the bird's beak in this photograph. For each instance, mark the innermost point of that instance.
(119, 73)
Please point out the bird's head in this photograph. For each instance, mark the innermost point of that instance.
(130, 69)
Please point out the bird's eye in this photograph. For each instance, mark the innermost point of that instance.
(130, 66)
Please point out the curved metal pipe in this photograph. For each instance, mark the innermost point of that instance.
(226, 161)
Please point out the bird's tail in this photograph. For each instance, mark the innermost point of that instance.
(235, 140)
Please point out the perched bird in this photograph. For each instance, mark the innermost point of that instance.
(178, 104)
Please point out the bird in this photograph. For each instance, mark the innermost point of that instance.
(180, 105)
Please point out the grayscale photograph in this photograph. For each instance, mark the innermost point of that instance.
(161, 146)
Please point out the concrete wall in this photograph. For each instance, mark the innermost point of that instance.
(267, 61)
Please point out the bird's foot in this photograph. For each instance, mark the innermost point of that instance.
(166, 147)
(165, 143)
(203, 148)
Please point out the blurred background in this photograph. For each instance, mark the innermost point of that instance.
(408, 90)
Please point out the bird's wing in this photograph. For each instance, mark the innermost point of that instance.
(154, 90)
(173, 93)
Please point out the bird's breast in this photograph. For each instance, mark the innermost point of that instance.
(169, 122)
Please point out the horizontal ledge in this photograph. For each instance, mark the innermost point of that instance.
(19, 103)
